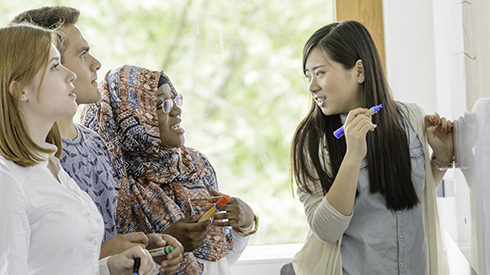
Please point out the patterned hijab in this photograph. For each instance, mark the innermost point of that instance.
(156, 186)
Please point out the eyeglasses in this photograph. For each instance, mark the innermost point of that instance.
(168, 104)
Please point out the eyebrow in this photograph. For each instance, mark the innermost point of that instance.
(314, 68)
(53, 59)
(84, 49)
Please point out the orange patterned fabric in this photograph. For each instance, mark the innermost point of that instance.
(156, 186)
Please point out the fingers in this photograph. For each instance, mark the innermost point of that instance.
(137, 237)
(435, 123)
(214, 192)
(123, 262)
(173, 260)
(147, 266)
(156, 240)
(353, 114)
(170, 266)
(216, 196)
(192, 219)
(359, 126)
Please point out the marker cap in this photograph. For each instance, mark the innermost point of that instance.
(222, 201)
(376, 108)
(339, 132)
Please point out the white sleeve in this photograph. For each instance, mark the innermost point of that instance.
(324, 220)
(103, 268)
(240, 243)
(14, 227)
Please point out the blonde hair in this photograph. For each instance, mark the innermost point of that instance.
(24, 50)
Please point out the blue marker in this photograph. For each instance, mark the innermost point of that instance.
(340, 132)
(136, 266)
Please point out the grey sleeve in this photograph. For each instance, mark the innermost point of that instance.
(324, 220)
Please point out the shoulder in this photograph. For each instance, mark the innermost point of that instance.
(11, 172)
(87, 132)
(197, 156)
(91, 137)
(411, 109)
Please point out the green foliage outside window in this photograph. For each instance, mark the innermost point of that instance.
(238, 65)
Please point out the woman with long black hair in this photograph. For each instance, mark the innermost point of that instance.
(369, 196)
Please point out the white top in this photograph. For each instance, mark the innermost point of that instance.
(223, 266)
(47, 227)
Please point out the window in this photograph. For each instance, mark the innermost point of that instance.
(239, 66)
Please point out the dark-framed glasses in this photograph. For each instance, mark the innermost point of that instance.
(168, 104)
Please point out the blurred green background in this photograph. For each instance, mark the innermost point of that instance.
(238, 65)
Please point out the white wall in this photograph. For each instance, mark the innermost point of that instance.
(409, 46)
(424, 41)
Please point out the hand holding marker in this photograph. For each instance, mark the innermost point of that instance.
(161, 251)
(340, 132)
(219, 204)
(136, 265)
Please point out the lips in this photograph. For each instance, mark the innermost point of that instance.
(176, 127)
(320, 100)
(71, 93)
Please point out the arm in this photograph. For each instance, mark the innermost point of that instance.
(440, 138)
(14, 228)
(329, 216)
(342, 193)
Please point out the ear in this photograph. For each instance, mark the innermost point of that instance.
(14, 91)
(359, 67)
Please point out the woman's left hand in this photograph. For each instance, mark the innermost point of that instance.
(236, 211)
(440, 136)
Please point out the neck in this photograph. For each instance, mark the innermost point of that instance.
(67, 127)
(38, 131)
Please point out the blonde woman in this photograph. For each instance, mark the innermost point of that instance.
(49, 225)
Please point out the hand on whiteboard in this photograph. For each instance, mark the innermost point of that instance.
(440, 136)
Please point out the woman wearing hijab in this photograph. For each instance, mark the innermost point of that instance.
(164, 187)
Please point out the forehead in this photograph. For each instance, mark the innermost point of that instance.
(316, 57)
(165, 91)
(74, 38)
(53, 52)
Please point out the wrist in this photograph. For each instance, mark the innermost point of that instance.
(352, 158)
(249, 230)
(110, 265)
(443, 157)
(441, 165)
(247, 227)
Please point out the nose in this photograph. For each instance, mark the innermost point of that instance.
(71, 76)
(95, 64)
(176, 110)
(313, 85)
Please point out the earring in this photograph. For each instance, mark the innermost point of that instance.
(24, 97)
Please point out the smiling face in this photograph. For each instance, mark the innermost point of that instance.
(55, 99)
(171, 134)
(78, 59)
(335, 89)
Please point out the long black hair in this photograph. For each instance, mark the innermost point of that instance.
(388, 155)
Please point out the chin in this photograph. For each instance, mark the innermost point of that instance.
(173, 143)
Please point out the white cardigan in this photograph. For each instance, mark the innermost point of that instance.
(321, 252)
